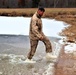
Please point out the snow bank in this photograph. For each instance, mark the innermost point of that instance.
(70, 48)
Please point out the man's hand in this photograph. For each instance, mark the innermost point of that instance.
(41, 38)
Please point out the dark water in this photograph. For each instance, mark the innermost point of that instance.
(13, 52)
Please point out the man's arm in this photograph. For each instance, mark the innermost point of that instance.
(35, 29)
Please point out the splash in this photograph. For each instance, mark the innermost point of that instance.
(12, 58)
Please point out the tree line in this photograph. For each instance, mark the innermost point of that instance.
(37, 3)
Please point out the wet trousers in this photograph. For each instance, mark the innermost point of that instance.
(34, 43)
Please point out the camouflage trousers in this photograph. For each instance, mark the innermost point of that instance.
(34, 44)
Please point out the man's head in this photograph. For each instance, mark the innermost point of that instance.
(41, 11)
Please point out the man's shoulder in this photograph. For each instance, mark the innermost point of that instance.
(34, 17)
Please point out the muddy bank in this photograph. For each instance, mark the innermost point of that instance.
(66, 64)
(70, 31)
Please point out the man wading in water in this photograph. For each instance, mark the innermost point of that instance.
(37, 35)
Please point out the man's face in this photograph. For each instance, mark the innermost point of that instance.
(40, 12)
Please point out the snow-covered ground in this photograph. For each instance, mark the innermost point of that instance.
(70, 47)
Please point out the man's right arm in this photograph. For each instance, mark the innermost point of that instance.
(35, 29)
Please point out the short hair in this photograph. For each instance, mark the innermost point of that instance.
(42, 9)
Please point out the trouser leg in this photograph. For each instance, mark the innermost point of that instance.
(48, 45)
(33, 45)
